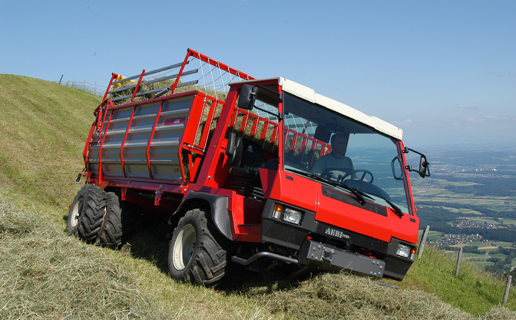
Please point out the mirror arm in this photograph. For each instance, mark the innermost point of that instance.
(406, 150)
(425, 164)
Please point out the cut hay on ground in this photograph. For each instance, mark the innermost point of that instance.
(46, 274)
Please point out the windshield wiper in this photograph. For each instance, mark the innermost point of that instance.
(357, 193)
(396, 209)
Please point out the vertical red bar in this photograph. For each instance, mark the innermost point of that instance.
(87, 147)
(234, 117)
(406, 181)
(275, 134)
(113, 76)
(109, 107)
(125, 139)
(207, 124)
(303, 147)
(138, 85)
(243, 124)
(265, 128)
(255, 125)
(173, 87)
(150, 139)
(294, 141)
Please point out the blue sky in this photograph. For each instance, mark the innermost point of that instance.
(443, 71)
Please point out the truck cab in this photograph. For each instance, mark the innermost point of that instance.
(330, 206)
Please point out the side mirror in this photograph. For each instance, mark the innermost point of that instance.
(424, 165)
(424, 169)
(247, 97)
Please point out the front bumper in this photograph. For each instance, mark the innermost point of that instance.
(322, 255)
(325, 246)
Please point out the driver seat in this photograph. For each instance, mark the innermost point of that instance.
(245, 157)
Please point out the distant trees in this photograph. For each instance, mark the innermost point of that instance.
(439, 219)
(499, 187)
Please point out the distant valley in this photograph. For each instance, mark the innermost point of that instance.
(470, 201)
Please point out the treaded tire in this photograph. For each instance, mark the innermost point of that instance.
(93, 213)
(110, 233)
(76, 211)
(194, 254)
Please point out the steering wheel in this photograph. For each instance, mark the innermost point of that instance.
(365, 172)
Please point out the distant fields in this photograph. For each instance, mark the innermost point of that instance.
(435, 191)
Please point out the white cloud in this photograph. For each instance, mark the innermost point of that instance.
(400, 123)
(465, 107)
(473, 120)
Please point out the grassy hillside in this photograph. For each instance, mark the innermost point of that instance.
(43, 127)
(45, 273)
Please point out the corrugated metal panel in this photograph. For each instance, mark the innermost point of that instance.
(163, 152)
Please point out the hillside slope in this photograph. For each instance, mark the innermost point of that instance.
(49, 274)
(43, 127)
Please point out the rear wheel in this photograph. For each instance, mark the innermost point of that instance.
(110, 233)
(93, 213)
(194, 253)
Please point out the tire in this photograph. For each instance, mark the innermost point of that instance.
(76, 211)
(194, 254)
(110, 233)
(93, 213)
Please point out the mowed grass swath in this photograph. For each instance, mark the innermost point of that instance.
(38, 180)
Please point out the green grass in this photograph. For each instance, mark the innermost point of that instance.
(475, 255)
(47, 274)
(504, 244)
(473, 290)
(44, 128)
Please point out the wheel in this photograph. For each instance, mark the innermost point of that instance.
(118, 223)
(94, 209)
(76, 211)
(362, 177)
(110, 233)
(194, 254)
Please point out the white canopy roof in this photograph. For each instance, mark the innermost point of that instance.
(310, 95)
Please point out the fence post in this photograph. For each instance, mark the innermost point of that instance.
(458, 263)
(507, 288)
(95, 89)
(423, 240)
(83, 85)
(61, 78)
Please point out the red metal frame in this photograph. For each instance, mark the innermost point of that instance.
(138, 85)
(109, 108)
(150, 140)
(113, 76)
(125, 140)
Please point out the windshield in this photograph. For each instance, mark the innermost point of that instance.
(327, 146)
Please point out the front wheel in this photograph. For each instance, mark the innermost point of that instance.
(194, 254)
(76, 210)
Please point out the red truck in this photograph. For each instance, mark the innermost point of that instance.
(261, 173)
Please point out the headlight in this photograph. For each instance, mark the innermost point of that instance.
(403, 251)
(292, 216)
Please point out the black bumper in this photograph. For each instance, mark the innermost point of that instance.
(318, 254)
(326, 246)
